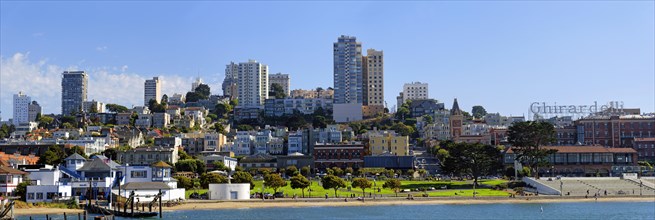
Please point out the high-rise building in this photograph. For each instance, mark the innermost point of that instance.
(348, 79)
(94, 106)
(229, 85)
(21, 108)
(413, 91)
(152, 90)
(280, 79)
(252, 84)
(73, 91)
(33, 110)
(373, 82)
(348, 71)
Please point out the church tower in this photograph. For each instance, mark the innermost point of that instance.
(456, 118)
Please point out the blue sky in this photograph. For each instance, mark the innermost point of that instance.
(502, 55)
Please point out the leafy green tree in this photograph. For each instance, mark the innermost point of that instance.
(218, 127)
(277, 91)
(337, 171)
(53, 156)
(218, 165)
(192, 97)
(305, 171)
(291, 170)
(527, 139)
(203, 91)
(156, 107)
(116, 108)
(207, 178)
(403, 129)
(45, 121)
(164, 99)
(21, 188)
(243, 177)
(184, 182)
(393, 184)
(183, 155)
(473, 159)
(201, 166)
(223, 109)
(333, 182)
(478, 111)
(300, 182)
(363, 184)
(319, 122)
(244, 127)
(349, 170)
(274, 181)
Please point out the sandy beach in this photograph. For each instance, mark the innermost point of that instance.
(400, 201)
(314, 202)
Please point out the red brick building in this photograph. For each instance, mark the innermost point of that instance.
(645, 148)
(585, 161)
(327, 155)
(615, 131)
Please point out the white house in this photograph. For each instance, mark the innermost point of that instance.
(47, 186)
(146, 181)
(9, 179)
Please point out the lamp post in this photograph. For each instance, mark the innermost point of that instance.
(474, 180)
(561, 184)
(640, 186)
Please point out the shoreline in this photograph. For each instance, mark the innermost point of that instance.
(288, 203)
(339, 202)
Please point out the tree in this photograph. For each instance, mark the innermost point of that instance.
(319, 122)
(45, 121)
(393, 184)
(305, 171)
(274, 181)
(186, 165)
(243, 177)
(473, 159)
(333, 182)
(291, 171)
(402, 129)
(183, 155)
(207, 178)
(348, 170)
(53, 156)
(164, 99)
(203, 91)
(244, 127)
(218, 127)
(363, 184)
(223, 109)
(184, 182)
(156, 107)
(21, 188)
(300, 182)
(277, 91)
(218, 165)
(337, 171)
(192, 97)
(527, 139)
(116, 108)
(201, 166)
(478, 111)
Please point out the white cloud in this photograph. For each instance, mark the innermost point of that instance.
(39, 34)
(101, 48)
(42, 81)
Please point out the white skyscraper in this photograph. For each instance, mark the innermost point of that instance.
(280, 79)
(21, 108)
(252, 84)
(195, 84)
(152, 90)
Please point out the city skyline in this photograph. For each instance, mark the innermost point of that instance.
(603, 51)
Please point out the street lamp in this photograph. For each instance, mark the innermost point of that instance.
(561, 184)
(474, 180)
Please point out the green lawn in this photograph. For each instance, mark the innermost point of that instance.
(453, 188)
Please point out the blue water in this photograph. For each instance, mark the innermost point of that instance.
(589, 210)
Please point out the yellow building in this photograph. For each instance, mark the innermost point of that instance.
(381, 142)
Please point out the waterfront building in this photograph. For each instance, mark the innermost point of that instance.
(350, 154)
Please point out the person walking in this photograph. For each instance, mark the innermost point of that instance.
(326, 196)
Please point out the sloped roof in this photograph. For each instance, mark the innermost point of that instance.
(98, 165)
(585, 149)
(75, 156)
(161, 164)
(9, 170)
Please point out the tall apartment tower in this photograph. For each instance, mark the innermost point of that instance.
(73, 91)
(252, 84)
(348, 79)
(33, 110)
(229, 85)
(195, 84)
(373, 82)
(21, 108)
(280, 79)
(152, 90)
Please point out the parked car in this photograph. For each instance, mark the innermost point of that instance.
(279, 195)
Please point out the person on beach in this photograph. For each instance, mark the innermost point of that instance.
(326, 195)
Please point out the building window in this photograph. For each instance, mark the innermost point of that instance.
(585, 158)
(30, 196)
(139, 174)
(39, 196)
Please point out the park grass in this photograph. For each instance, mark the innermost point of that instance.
(453, 188)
